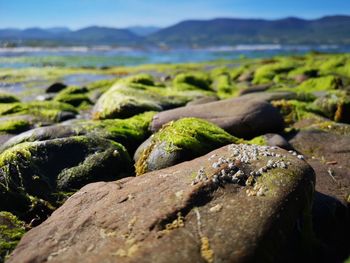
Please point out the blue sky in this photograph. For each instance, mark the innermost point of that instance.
(121, 13)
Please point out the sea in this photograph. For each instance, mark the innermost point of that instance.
(107, 56)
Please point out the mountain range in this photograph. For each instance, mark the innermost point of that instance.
(199, 33)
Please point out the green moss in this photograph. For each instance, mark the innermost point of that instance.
(47, 110)
(11, 231)
(225, 87)
(199, 80)
(319, 84)
(192, 135)
(266, 73)
(130, 132)
(260, 140)
(102, 85)
(14, 126)
(126, 100)
(293, 110)
(307, 71)
(144, 79)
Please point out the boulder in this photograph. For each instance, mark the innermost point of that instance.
(43, 171)
(132, 96)
(238, 116)
(55, 87)
(180, 141)
(130, 132)
(327, 151)
(217, 208)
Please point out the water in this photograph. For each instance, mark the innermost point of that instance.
(104, 56)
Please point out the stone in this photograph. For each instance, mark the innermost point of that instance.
(238, 116)
(202, 100)
(130, 132)
(55, 87)
(164, 216)
(328, 151)
(179, 141)
(38, 171)
(130, 97)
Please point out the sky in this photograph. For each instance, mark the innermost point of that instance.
(123, 13)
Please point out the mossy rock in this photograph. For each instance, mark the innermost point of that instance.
(40, 170)
(224, 86)
(130, 132)
(178, 141)
(127, 98)
(48, 111)
(11, 231)
(320, 84)
(16, 124)
(8, 98)
(267, 73)
(334, 106)
(74, 95)
(294, 111)
(199, 80)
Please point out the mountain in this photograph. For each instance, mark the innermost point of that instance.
(93, 35)
(143, 30)
(230, 31)
(202, 33)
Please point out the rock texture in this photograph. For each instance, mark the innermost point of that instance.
(212, 209)
(238, 116)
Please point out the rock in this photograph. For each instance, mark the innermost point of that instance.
(271, 95)
(129, 97)
(198, 79)
(277, 140)
(8, 98)
(55, 87)
(246, 76)
(11, 231)
(74, 96)
(179, 141)
(202, 101)
(254, 89)
(44, 111)
(41, 169)
(130, 132)
(239, 117)
(328, 153)
(201, 217)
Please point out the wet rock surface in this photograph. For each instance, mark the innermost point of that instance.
(205, 214)
(239, 117)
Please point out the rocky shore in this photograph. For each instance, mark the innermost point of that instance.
(236, 161)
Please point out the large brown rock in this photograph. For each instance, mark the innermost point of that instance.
(328, 152)
(190, 212)
(240, 117)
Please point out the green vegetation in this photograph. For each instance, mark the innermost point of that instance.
(177, 139)
(11, 231)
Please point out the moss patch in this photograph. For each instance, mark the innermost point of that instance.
(11, 231)
(192, 135)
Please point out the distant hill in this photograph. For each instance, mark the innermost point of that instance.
(215, 32)
(229, 31)
(143, 30)
(93, 35)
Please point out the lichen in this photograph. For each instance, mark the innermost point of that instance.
(206, 252)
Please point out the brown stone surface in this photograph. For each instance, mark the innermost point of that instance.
(238, 116)
(163, 217)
